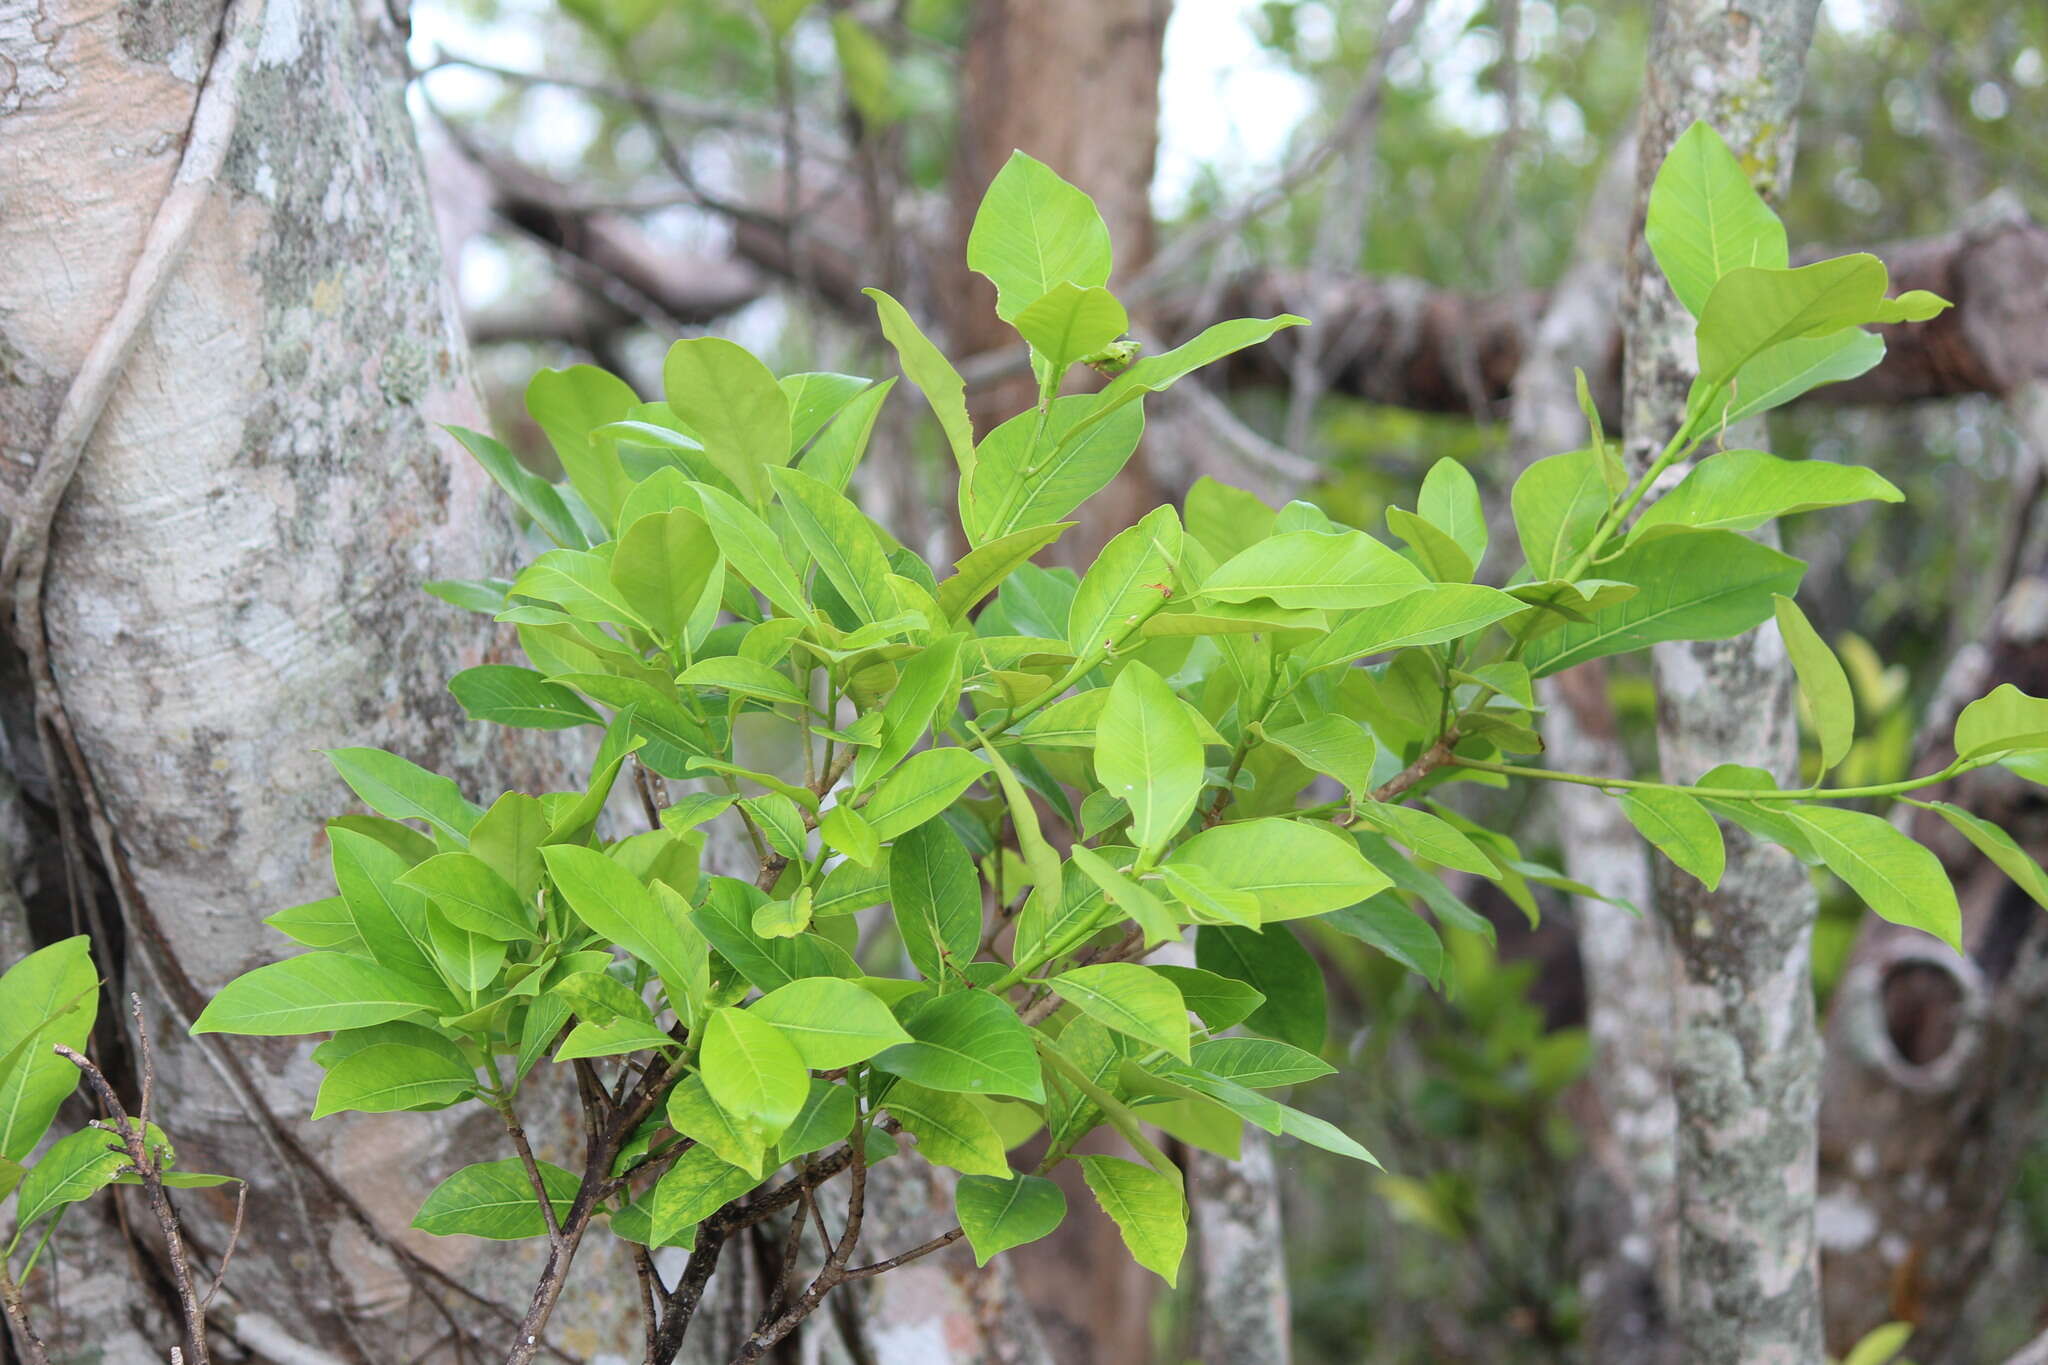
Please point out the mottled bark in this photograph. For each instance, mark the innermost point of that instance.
(233, 583)
(1745, 1053)
(1629, 1231)
(1934, 1088)
(1239, 1253)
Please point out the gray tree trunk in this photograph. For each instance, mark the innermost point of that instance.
(1745, 1054)
(232, 584)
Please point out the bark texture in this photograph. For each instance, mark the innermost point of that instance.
(1745, 1052)
(1238, 1252)
(233, 585)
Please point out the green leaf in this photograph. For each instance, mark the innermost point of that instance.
(934, 375)
(1705, 218)
(534, 495)
(1740, 490)
(1334, 745)
(733, 405)
(1027, 471)
(2005, 720)
(969, 1042)
(1205, 894)
(693, 1189)
(319, 924)
(1295, 869)
(614, 903)
(1896, 877)
(926, 784)
(1681, 827)
(1319, 1133)
(815, 398)
(937, 900)
(982, 570)
(951, 1130)
(1068, 322)
(1272, 962)
(831, 1023)
(1750, 310)
(1438, 612)
(827, 1118)
(472, 896)
(1880, 1345)
(753, 1070)
(1147, 1208)
(51, 996)
(1450, 502)
(505, 695)
(841, 539)
(999, 1213)
(1033, 231)
(1427, 888)
(392, 786)
(662, 567)
(1162, 371)
(837, 452)
(1427, 837)
(784, 918)
(1128, 895)
(1784, 372)
(848, 831)
(1707, 586)
(1218, 1001)
(1132, 999)
(2000, 847)
(495, 1200)
(694, 1114)
(314, 993)
(929, 687)
(1385, 922)
(1310, 569)
(752, 551)
(570, 405)
(76, 1167)
(389, 1076)
(865, 67)
(1829, 702)
(1260, 1063)
(1148, 753)
(1440, 557)
(1558, 502)
(1129, 579)
(744, 677)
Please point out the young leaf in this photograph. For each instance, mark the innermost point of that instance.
(1147, 1208)
(753, 1070)
(1295, 869)
(1432, 615)
(1427, 837)
(1309, 569)
(1128, 895)
(1204, 893)
(1260, 1063)
(1132, 999)
(2000, 847)
(969, 1042)
(389, 1076)
(505, 695)
(837, 452)
(315, 993)
(694, 1114)
(1750, 310)
(1068, 322)
(831, 1023)
(1333, 745)
(1896, 877)
(50, 996)
(534, 495)
(841, 539)
(392, 786)
(1028, 471)
(1148, 753)
(1826, 687)
(1705, 218)
(1557, 503)
(472, 896)
(2006, 719)
(925, 366)
(1449, 501)
(752, 551)
(982, 570)
(998, 1213)
(732, 403)
(1218, 1001)
(76, 1167)
(1740, 490)
(926, 784)
(1680, 826)
(570, 405)
(1129, 580)
(693, 1189)
(662, 566)
(615, 903)
(1033, 231)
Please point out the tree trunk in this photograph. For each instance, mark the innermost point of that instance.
(1934, 1086)
(232, 581)
(1746, 1056)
